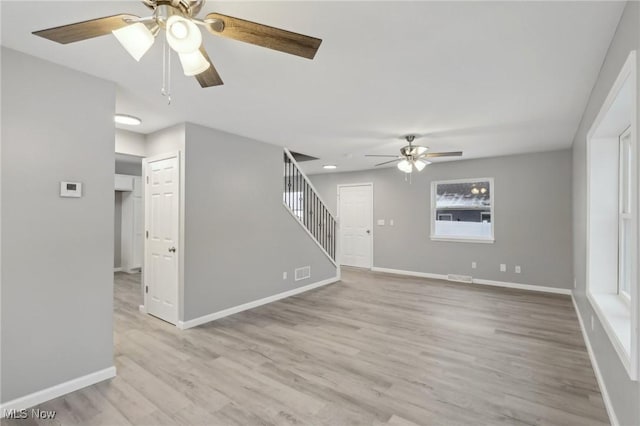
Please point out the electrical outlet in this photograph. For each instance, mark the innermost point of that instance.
(474, 265)
(518, 269)
(503, 267)
(592, 323)
(380, 222)
(284, 275)
(390, 222)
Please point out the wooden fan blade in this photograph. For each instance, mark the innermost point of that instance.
(265, 36)
(375, 155)
(443, 154)
(210, 76)
(387, 162)
(85, 30)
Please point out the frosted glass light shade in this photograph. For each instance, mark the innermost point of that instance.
(193, 63)
(183, 35)
(421, 164)
(135, 38)
(405, 166)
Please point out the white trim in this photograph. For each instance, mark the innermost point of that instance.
(52, 392)
(118, 269)
(310, 234)
(180, 241)
(631, 360)
(613, 332)
(410, 273)
(539, 288)
(594, 363)
(464, 239)
(183, 325)
(530, 287)
(345, 185)
(142, 309)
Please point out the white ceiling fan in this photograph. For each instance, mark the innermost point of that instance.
(414, 156)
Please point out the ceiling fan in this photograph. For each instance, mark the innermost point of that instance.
(414, 156)
(177, 18)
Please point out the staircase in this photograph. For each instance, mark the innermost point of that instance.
(304, 203)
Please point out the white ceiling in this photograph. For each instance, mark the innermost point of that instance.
(487, 78)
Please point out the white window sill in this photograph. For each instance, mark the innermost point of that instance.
(463, 239)
(615, 315)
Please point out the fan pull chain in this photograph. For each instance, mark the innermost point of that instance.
(166, 71)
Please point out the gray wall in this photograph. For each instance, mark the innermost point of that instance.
(532, 196)
(165, 141)
(624, 393)
(57, 253)
(239, 238)
(117, 230)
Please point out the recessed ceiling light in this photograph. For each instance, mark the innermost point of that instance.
(329, 166)
(127, 119)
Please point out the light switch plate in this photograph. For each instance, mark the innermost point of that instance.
(503, 267)
(518, 269)
(71, 189)
(390, 222)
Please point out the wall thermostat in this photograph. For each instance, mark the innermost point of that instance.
(71, 189)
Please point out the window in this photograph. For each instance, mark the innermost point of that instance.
(624, 216)
(612, 217)
(462, 210)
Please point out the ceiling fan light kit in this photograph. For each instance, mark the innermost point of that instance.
(193, 63)
(183, 34)
(136, 38)
(414, 156)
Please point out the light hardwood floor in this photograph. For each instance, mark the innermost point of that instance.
(374, 349)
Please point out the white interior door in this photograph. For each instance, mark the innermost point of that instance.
(162, 208)
(355, 211)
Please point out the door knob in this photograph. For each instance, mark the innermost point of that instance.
(172, 250)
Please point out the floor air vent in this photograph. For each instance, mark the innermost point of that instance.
(460, 278)
(302, 273)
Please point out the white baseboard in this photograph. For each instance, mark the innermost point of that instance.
(44, 395)
(118, 269)
(530, 287)
(183, 325)
(594, 363)
(409, 273)
(476, 281)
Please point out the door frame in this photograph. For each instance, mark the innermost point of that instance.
(344, 185)
(179, 241)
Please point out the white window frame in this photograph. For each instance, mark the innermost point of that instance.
(619, 319)
(625, 217)
(462, 239)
